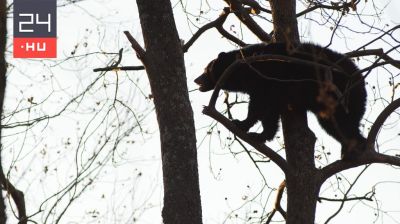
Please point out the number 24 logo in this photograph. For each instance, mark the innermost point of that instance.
(32, 21)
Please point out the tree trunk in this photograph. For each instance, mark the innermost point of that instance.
(302, 179)
(285, 21)
(165, 67)
(3, 70)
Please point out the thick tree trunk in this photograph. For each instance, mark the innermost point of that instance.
(3, 70)
(302, 179)
(165, 67)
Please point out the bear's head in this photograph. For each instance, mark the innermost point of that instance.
(213, 71)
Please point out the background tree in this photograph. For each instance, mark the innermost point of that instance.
(165, 67)
(3, 69)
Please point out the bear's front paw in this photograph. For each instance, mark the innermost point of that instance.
(242, 125)
(256, 137)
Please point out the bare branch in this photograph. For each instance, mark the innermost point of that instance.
(346, 199)
(254, 5)
(379, 122)
(378, 52)
(277, 205)
(279, 199)
(262, 148)
(114, 66)
(123, 68)
(343, 7)
(141, 53)
(242, 14)
(214, 24)
(369, 156)
(229, 36)
(380, 37)
(345, 195)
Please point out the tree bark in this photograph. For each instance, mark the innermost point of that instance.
(285, 21)
(164, 63)
(3, 70)
(302, 178)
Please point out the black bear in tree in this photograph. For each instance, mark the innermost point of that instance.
(335, 92)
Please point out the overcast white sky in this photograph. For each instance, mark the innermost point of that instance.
(131, 188)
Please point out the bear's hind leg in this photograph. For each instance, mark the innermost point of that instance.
(344, 129)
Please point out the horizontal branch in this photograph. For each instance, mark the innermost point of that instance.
(378, 52)
(123, 68)
(345, 199)
(345, 6)
(367, 157)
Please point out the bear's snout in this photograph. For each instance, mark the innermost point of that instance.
(204, 83)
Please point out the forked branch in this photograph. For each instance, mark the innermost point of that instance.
(277, 205)
(114, 66)
(243, 15)
(218, 24)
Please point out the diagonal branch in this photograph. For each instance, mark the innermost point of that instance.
(243, 15)
(277, 205)
(255, 6)
(141, 53)
(16, 195)
(262, 148)
(378, 52)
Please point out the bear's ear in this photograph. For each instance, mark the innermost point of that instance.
(222, 55)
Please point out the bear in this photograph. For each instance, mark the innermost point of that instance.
(335, 93)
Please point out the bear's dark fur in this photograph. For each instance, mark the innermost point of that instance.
(277, 85)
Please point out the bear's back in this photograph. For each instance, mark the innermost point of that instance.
(305, 51)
